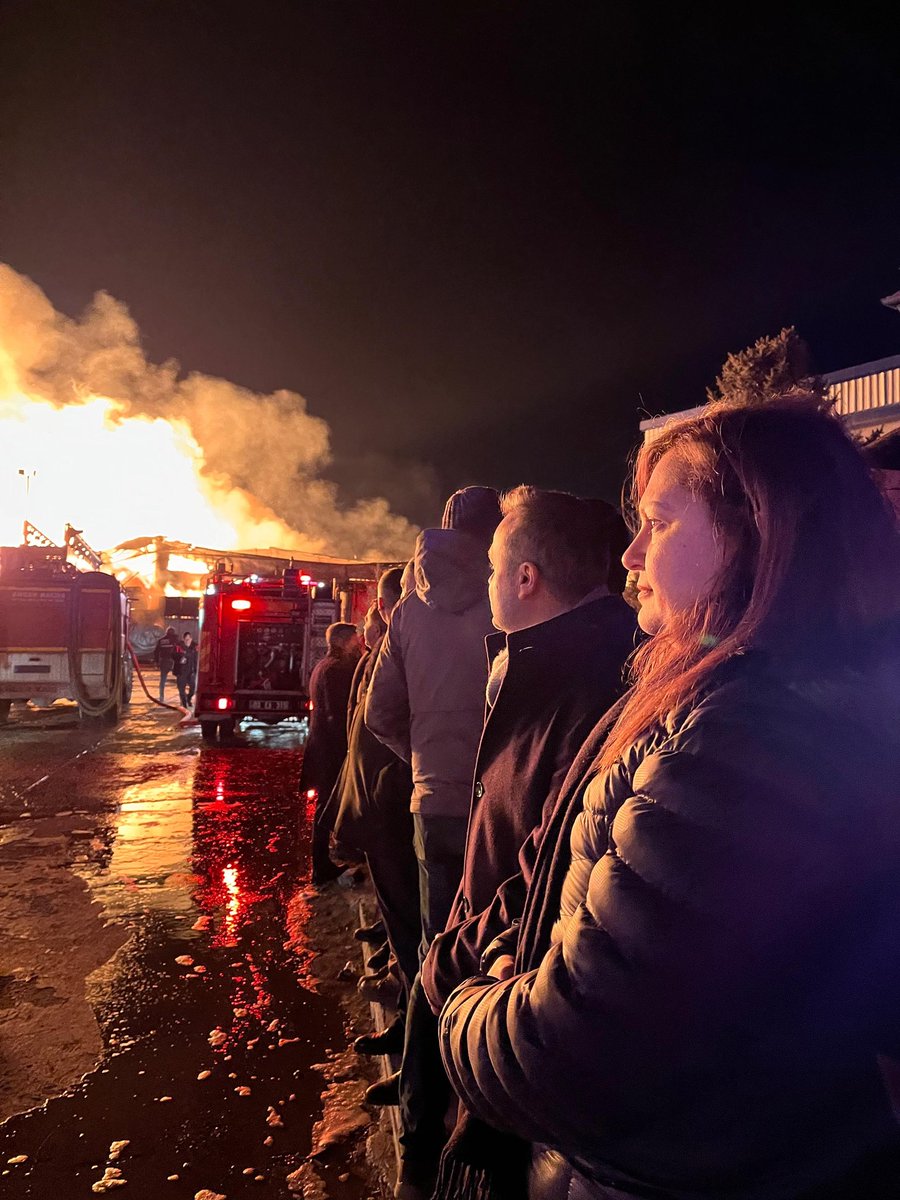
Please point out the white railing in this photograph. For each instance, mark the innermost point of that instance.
(862, 389)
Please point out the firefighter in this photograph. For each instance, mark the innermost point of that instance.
(169, 651)
(186, 671)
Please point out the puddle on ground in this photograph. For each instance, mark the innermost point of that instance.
(209, 1013)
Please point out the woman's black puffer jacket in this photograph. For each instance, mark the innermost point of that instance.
(726, 967)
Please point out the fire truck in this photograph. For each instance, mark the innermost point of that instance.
(63, 631)
(258, 641)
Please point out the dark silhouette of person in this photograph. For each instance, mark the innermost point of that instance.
(326, 746)
(186, 670)
(167, 655)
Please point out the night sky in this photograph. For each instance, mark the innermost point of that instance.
(483, 237)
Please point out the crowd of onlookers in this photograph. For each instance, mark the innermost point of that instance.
(637, 863)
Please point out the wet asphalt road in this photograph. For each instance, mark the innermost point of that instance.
(195, 863)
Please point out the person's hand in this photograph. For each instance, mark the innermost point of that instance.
(502, 966)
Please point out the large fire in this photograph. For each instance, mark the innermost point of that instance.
(94, 435)
(115, 477)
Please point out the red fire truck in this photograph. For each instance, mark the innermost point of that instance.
(256, 638)
(63, 632)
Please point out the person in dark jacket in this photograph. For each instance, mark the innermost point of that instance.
(167, 655)
(556, 667)
(707, 966)
(480, 935)
(186, 670)
(326, 746)
(373, 630)
(374, 817)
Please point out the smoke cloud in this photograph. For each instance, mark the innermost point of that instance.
(267, 449)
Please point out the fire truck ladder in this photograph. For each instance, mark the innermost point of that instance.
(72, 542)
(32, 536)
(76, 543)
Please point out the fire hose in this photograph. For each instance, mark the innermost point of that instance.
(89, 707)
(162, 703)
(101, 708)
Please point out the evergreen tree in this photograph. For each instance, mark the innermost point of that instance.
(772, 366)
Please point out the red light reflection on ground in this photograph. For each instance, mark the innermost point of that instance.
(233, 903)
(310, 797)
(248, 830)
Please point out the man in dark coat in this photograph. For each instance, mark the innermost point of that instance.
(556, 667)
(167, 654)
(326, 746)
(186, 670)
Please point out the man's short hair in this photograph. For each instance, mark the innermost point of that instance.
(572, 541)
(884, 455)
(390, 587)
(339, 635)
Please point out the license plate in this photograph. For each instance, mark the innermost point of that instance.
(269, 706)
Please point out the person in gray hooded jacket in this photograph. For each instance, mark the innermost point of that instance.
(426, 698)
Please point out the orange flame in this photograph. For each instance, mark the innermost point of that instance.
(115, 477)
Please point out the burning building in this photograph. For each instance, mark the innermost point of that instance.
(165, 580)
(94, 435)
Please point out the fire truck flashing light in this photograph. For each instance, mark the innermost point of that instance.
(240, 605)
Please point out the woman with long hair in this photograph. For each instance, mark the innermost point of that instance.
(708, 967)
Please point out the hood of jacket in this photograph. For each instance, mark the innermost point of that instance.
(451, 570)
